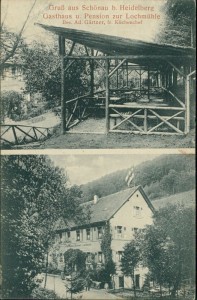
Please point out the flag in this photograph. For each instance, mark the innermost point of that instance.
(130, 176)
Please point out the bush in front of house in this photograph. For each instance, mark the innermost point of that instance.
(41, 293)
(11, 105)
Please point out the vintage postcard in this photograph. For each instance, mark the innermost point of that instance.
(98, 74)
(98, 226)
(98, 149)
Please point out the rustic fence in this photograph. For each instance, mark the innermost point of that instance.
(22, 134)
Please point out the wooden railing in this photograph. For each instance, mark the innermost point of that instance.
(78, 109)
(147, 120)
(23, 134)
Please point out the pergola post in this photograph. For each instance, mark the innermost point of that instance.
(92, 75)
(63, 103)
(127, 66)
(107, 97)
(148, 83)
(117, 75)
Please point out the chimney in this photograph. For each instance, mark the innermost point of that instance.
(95, 200)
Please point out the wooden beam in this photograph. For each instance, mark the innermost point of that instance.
(107, 97)
(68, 66)
(147, 106)
(177, 99)
(145, 120)
(63, 104)
(177, 69)
(167, 119)
(117, 67)
(140, 56)
(148, 83)
(187, 102)
(126, 118)
(151, 133)
(166, 122)
(92, 75)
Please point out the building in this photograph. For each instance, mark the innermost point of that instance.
(125, 211)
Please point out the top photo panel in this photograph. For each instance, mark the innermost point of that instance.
(97, 74)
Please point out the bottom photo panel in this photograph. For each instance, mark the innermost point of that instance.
(98, 226)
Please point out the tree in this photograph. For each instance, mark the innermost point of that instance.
(130, 260)
(75, 265)
(168, 246)
(11, 105)
(43, 73)
(179, 25)
(109, 268)
(10, 42)
(34, 196)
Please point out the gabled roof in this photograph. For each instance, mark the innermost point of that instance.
(185, 198)
(114, 45)
(106, 207)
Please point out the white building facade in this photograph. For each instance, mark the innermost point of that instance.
(126, 212)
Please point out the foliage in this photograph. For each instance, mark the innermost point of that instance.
(179, 25)
(75, 260)
(168, 246)
(162, 176)
(108, 268)
(11, 45)
(41, 293)
(130, 260)
(11, 105)
(75, 265)
(43, 74)
(34, 196)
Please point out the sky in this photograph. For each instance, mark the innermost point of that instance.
(87, 167)
(14, 13)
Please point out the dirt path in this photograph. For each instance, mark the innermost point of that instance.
(57, 285)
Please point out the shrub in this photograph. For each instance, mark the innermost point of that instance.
(11, 105)
(41, 293)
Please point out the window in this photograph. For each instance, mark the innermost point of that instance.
(135, 229)
(137, 211)
(119, 229)
(119, 255)
(100, 232)
(60, 236)
(100, 257)
(78, 235)
(88, 234)
(68, 234)
(61, 257)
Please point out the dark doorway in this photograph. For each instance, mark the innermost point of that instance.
(121, 281)
(137, 281)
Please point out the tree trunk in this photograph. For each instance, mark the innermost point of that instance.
(160, 290)
(46, 269)
(133, 279)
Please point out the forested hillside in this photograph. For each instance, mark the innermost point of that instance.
(163, 176)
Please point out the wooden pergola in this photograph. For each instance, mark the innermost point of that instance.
(148, 86)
